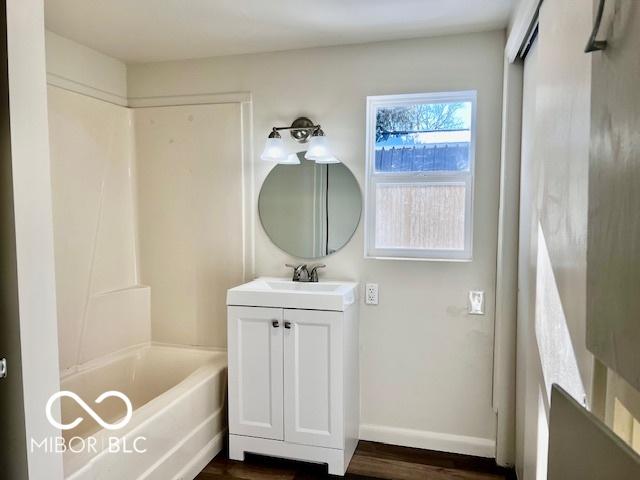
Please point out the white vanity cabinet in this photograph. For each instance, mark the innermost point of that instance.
(293, 381)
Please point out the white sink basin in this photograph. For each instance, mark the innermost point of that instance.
(302, 286)
(283, 293)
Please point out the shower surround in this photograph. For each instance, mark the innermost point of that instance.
(139, 199)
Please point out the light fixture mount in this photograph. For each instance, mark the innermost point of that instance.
(302, 128)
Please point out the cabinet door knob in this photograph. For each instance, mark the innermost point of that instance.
(287, 324)
(275, 323)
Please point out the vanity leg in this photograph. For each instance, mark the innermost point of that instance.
(336, 467)
(236, 452)
(239, 456)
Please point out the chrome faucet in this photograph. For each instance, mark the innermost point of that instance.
(302, 274)
(313, 274)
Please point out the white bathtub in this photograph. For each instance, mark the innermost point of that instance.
(178, 396)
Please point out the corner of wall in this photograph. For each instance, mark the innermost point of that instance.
(78, 68)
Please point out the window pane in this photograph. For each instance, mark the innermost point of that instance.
(420, 216)
(423, 137)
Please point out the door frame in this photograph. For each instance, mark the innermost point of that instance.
(504, 359)
(34, 255)
(12, 433)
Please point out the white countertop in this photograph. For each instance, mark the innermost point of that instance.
(283, 293)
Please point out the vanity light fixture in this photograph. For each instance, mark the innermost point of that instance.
(302, 129)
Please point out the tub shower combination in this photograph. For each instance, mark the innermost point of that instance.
(137, 249)
(178, 421)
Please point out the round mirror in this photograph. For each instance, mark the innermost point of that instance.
(310, 210)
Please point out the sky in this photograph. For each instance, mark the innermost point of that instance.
(464, 114)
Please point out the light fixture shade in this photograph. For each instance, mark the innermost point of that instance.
(318, 148)
(274, 150)
(292, 159)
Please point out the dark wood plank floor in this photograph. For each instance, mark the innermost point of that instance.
(372, 461)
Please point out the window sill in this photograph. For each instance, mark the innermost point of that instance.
(421, 259)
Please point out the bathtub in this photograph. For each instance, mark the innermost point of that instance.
(178, 421)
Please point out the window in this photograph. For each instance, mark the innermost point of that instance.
(419, 186)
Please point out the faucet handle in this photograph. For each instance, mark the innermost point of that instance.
(313, 274)
(295, 271)
(298, 271)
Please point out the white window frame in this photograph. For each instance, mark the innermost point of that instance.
(465, 178)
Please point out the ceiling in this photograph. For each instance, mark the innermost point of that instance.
(158, 30)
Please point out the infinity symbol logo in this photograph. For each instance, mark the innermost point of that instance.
(89, 410)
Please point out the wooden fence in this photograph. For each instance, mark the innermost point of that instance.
(435, 157)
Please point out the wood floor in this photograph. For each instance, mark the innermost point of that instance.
(371, 461)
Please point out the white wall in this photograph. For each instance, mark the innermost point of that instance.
(426, 365)
(33, 227)
(101, 306)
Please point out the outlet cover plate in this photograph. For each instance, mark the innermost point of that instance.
(371, 294)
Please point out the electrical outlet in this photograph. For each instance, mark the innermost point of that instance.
(371, 294)
(476, 302)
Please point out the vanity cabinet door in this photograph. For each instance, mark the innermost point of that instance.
(313, 371)
(255, 343)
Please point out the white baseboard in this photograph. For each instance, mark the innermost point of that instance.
(444, 442)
